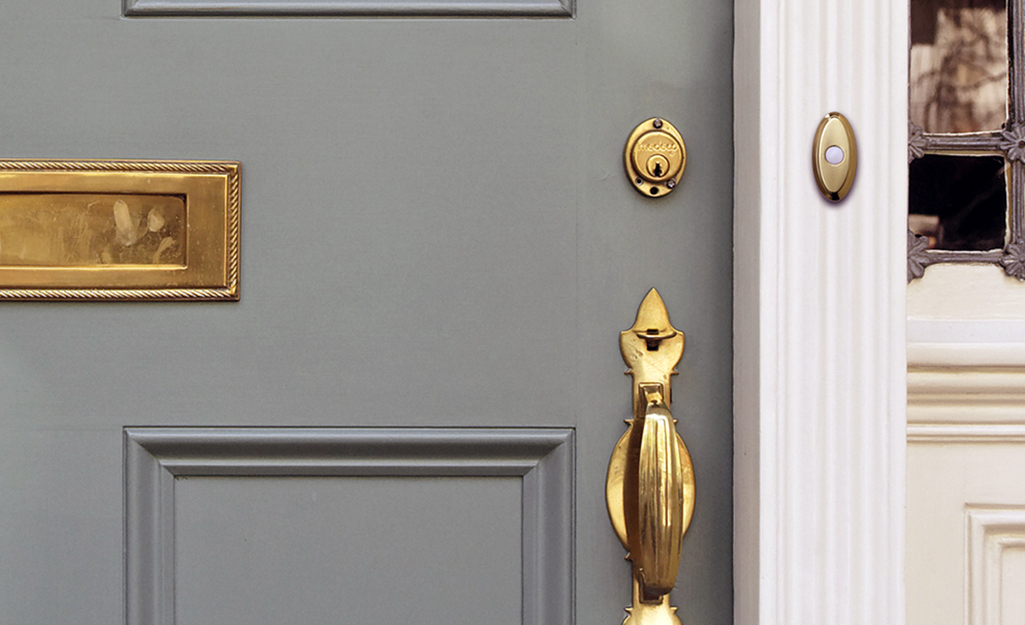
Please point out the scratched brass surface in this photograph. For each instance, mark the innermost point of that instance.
(88, 230)
(650, 485)
(119, 230)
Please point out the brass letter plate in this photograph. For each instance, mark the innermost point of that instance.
(119, 230)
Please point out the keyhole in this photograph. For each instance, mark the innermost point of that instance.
(657, 166)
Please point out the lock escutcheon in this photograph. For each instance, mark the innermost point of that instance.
(655, 157)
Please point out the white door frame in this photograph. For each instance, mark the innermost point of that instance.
(819, 321)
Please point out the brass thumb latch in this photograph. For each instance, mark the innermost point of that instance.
(650, 484)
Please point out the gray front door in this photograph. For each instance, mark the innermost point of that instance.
(407, 418)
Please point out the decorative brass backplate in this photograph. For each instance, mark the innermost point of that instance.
(650, 483)
(655, 157)
(119, 230)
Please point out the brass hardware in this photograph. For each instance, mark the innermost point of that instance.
(834, 157)
(119, 230)
(650, 486)
(655, 157)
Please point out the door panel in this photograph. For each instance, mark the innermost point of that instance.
(436, 232)
(285, 549)
(165, 466)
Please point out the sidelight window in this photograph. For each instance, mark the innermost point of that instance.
(966, 134)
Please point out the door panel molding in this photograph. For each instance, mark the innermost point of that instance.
(966, 433)
(992, 531)
(955, 387)
(544, 458)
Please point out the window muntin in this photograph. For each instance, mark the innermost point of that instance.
(966, 102)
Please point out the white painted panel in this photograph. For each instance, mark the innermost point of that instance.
(1012, 585)
(966, 292)
(966, 506)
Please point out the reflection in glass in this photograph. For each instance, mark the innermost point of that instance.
(958, 65)
(959, 202)
(81, 229)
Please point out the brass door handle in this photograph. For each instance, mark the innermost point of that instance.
(662, 509)
(650, 484)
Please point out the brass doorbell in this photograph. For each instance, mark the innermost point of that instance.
(834, 157)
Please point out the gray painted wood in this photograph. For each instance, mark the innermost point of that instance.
(347, 8)
(156, 458)
(436, 232)
(316, 550)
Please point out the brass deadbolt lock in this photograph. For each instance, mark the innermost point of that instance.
(655, 157)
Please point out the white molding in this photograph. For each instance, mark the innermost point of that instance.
(819, 301)
(967, 355)
(966, 433)
(966, 382)
(966, 394)
(990, 531)
(965, 330)
(543, 457)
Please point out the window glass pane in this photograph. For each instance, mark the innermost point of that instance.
(959, 202)
(958, 65)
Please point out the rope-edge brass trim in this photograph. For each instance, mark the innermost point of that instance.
(234, 228)
(199, 167)
(230, 292)
(165, 295)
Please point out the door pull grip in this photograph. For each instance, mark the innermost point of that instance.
(650, 485)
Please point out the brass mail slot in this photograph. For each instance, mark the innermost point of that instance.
(125, 230)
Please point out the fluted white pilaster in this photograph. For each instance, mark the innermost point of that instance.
(819, 323)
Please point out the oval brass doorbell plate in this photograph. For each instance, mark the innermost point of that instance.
(834, 157)
(655, 157)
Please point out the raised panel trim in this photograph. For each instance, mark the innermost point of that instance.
(966, 433)
(543, 457)
(926, 355)
(990, 531)
(348, 8)
(969, 383)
